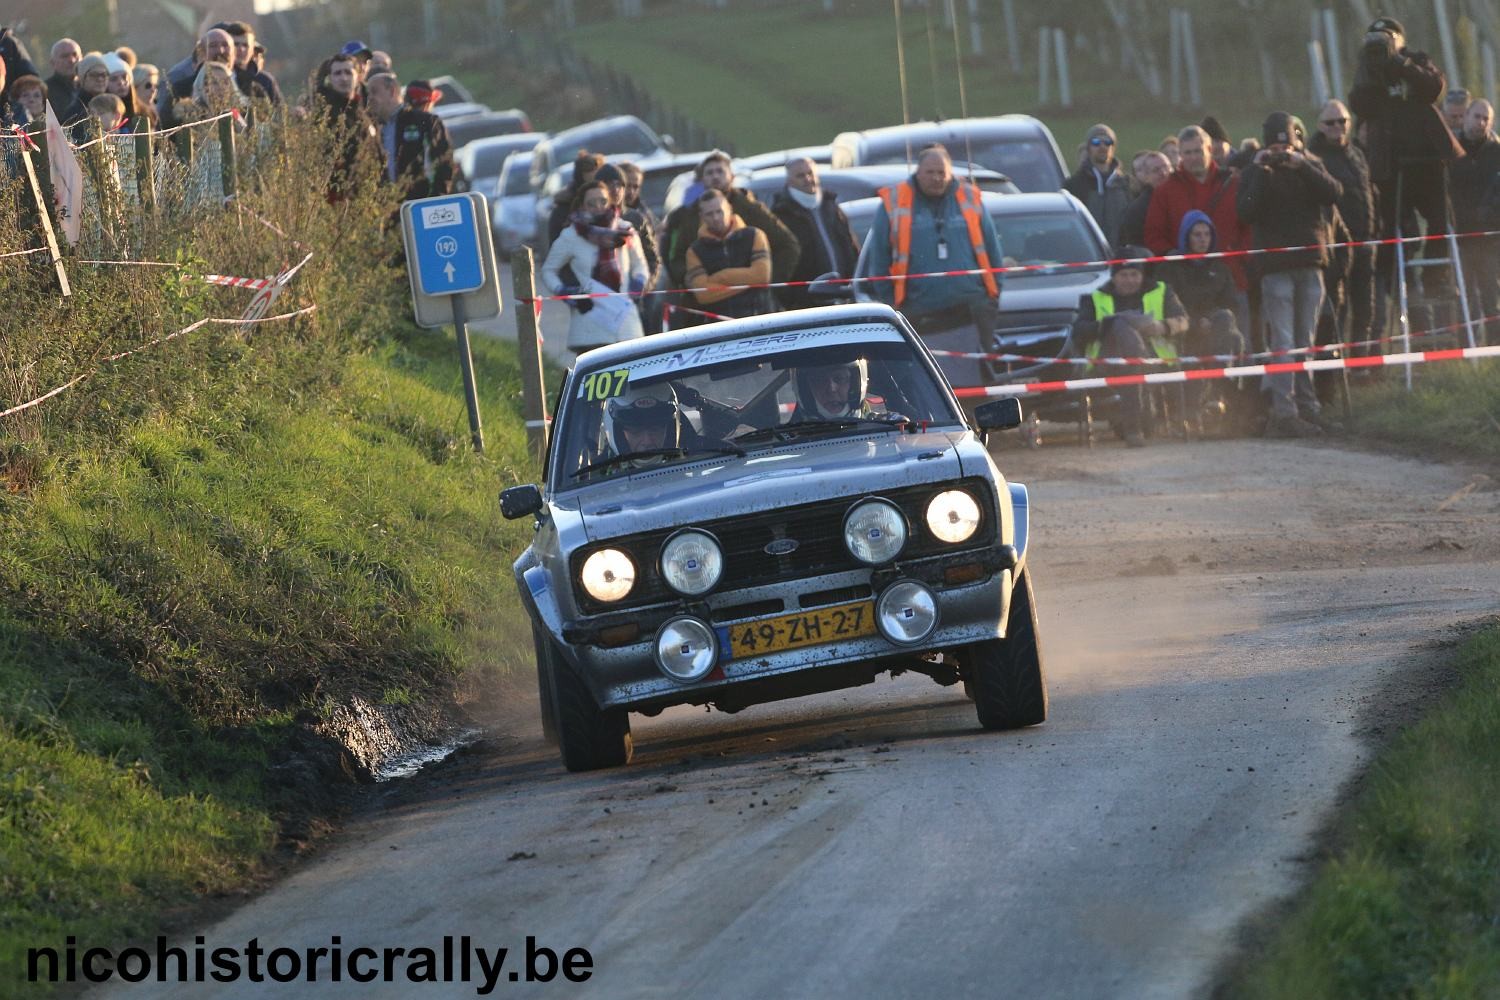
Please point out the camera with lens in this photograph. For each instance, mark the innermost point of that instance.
(1379, 52)
(1277, 159)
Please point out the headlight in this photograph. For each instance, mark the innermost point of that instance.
(607, 575)
(692, 562)
(686, 649)
(953, 516)
(875, 531)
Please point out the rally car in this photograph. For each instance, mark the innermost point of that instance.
(767, 508)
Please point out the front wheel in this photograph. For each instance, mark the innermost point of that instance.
(543, 647)
(590, 737)
(1005, 675)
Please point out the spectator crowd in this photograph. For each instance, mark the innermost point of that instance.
(1404, 154)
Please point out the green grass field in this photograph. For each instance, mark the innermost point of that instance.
(180, 607)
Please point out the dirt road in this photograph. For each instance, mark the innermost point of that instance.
(1228, 627)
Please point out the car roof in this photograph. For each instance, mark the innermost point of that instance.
(639, 347)
(1007, 125)
(459, 109)
(597, 125)
(780, 157)
(1010, 204)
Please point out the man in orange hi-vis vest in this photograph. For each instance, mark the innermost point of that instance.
(935, 222)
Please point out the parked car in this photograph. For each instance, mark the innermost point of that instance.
(464, 130)
(619, 134)
(459, 109)
(513, 206)
(762, 549)
(780, 157)
(852, 183)
(453, 91)
(1037, 308)
(1018, 146)
(482, 159)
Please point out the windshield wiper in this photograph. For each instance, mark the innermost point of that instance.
(631, 456)
(819, 426)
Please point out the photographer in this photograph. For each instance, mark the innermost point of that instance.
(1284, 196)
(1409, 145)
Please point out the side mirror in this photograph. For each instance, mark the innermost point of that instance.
(997, 415)
(519, 501)
(669, 142)
(830, 285)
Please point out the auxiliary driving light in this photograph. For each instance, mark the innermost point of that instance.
(875, 531)
(953, 516)
(692, 562)
(686, 649)
(906, 612)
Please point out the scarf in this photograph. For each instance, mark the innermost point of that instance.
(601, 232)
(807, 201)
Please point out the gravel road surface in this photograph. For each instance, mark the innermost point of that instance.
(1230, 628)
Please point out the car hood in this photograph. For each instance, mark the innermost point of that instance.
(784, 476)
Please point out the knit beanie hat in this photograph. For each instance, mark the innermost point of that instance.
(1389, 25)
(90, 62)
(609, 174)
(1101, 130)
(1283, 127)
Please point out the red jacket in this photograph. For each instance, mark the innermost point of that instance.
(1215, 196)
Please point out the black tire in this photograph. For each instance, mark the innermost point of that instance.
(1005, 675)
(589, 737)
(543, 647)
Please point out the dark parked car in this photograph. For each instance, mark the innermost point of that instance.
(620, 134)
(464, 130)
(1018, 146)
(852, 183)
(764, 509)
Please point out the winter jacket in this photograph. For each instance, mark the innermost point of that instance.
(257, 84)
(645, 227)
(1348, 166)
(1204, 286)
(742, 257)
(592, 326)
(1285, 206)
(1396, 103)
(424, 157)
(784, 246)
(1107, 205)
(1215, 196)
(933, 295)
(1471, 178)
(60, 91)
(814, 260)
(1133, 224)
(1086, 328)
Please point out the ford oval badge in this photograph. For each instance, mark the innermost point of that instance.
(781, 547)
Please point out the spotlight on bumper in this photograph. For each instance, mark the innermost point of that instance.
(686, 649)
(906, 612)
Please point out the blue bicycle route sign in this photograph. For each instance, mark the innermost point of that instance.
(445, 238)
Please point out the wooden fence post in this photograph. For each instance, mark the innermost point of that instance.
(183, 140)
(145, 164)
(228, 169)
(44, 212)
(529, 353)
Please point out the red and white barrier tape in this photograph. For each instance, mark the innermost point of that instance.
(1240, 371)
(22, 253)
(145, 347)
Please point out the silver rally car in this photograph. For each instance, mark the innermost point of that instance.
(767, 508)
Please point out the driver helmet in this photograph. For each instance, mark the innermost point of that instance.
(859, 385)
(652, 406)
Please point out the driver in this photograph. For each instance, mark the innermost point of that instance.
(828, 392)
(643, 420)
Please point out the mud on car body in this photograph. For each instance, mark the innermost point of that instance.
(767, 508)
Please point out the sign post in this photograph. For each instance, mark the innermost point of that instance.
(450, 255)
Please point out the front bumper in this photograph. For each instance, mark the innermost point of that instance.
(627, 676)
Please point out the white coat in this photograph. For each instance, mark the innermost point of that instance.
(600, 325)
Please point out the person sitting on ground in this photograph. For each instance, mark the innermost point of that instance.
(1206, 289)
(728, 252)
(1131, 316)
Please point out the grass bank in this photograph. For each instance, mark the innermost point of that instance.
(1406, 906)
(1453, 412)
(211, 550)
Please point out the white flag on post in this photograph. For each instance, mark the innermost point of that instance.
(67, 177)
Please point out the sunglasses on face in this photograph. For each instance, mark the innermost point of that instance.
(1101, 141)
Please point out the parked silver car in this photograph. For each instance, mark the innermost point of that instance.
(513, 206)
(1019, 146)
(767, 508)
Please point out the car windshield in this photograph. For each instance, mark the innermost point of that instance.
(626, 138)
(1047, 238)
(517, 177)
(739, 396)
(654, 185)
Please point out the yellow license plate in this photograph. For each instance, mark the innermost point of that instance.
(807, 628)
